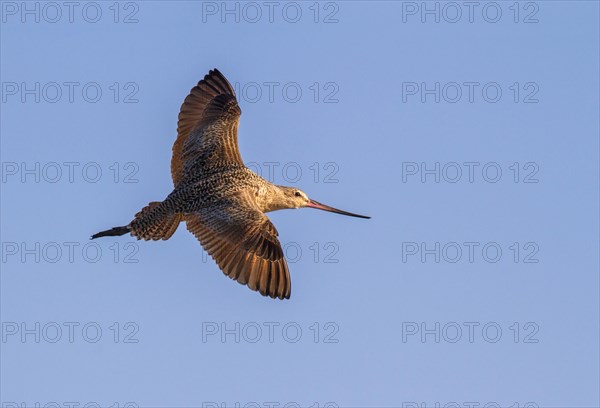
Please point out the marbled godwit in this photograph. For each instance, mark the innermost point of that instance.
(220, 199)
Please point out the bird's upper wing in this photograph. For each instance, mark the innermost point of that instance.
(243, 242)
(207, 126)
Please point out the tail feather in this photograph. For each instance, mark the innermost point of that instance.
(113, 232)
(153, 222)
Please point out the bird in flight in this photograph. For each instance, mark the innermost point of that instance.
(222, 201)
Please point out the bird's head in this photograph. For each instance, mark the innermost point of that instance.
(296, 198)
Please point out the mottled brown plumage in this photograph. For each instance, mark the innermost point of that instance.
(220, 199)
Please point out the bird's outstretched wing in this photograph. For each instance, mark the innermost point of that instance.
(207, 126)
(243, 242)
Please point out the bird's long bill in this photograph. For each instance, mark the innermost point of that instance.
(319, 206)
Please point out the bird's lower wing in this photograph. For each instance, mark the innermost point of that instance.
(243, 242)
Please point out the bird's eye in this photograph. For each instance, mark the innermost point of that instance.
(297, 194)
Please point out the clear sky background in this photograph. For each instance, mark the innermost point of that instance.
(374, 319)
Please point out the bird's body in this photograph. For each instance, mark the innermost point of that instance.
(220, 199)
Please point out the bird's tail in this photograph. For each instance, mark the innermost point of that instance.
(113, 232)
(153, 222)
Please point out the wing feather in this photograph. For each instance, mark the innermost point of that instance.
(207, 126)
(244, 244)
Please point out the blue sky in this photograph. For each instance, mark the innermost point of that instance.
(472, 141)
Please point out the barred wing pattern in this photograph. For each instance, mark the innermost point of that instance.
(243, 242)
(232, 229)
(207, 127)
